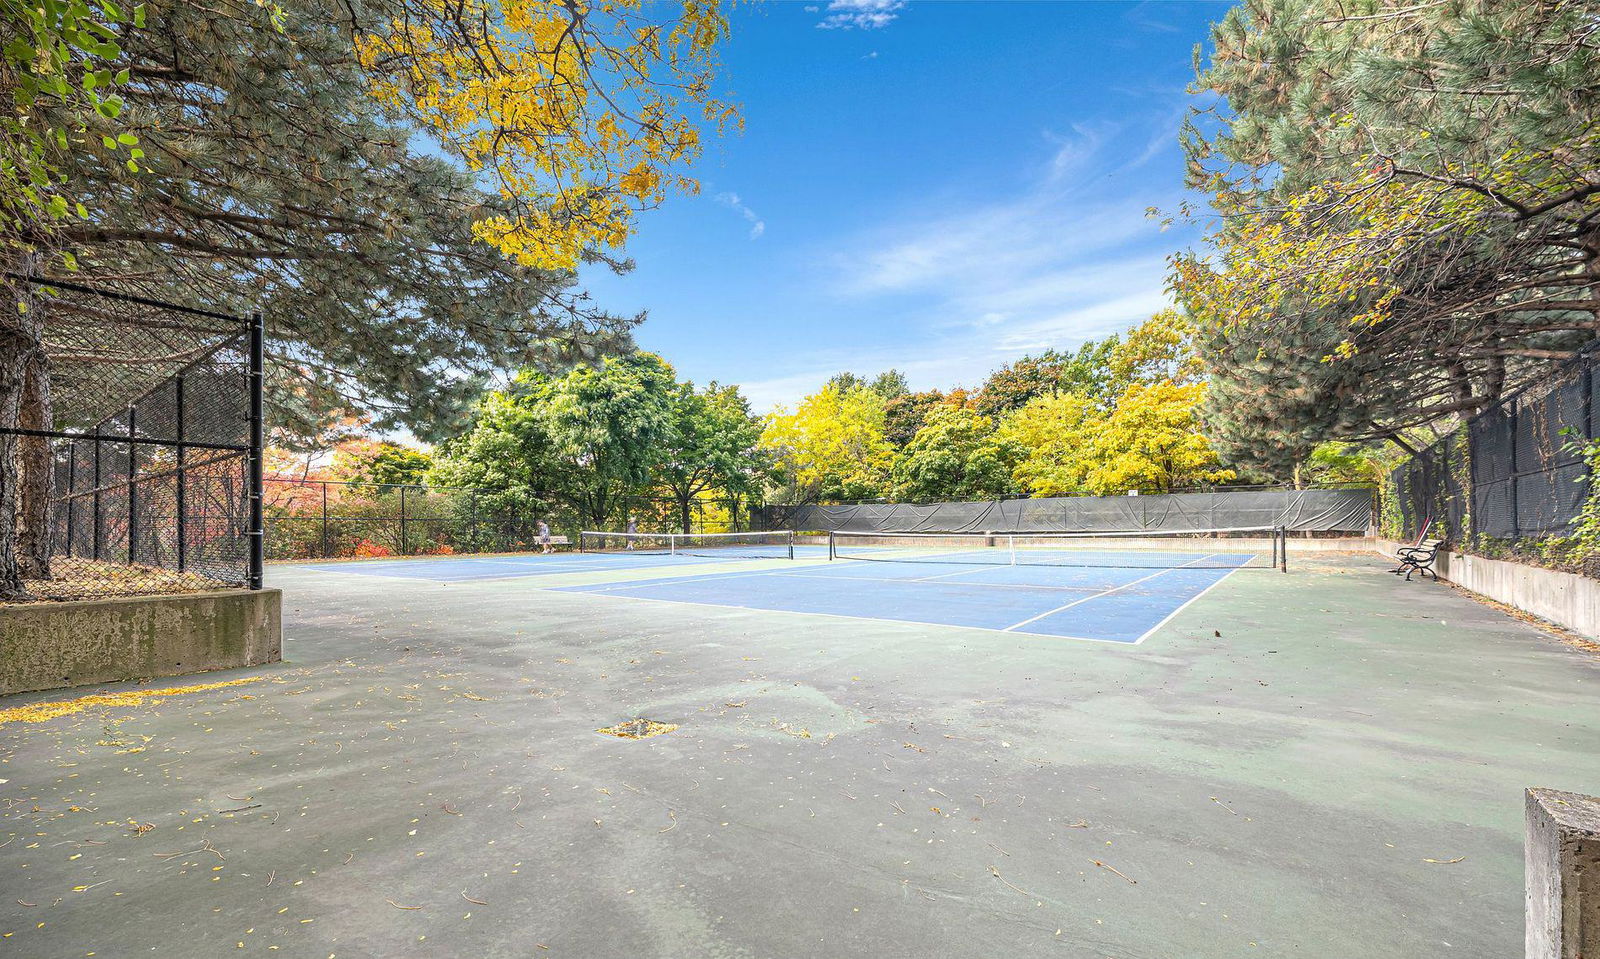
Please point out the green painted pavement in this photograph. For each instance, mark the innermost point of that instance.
(836, 787)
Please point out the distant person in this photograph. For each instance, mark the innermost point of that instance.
(633, 527)
(544, 537)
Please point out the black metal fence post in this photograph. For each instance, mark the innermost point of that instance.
(327, 547)
(95, 498)
(72, 492)
(181, 499)
(403, 546)
(257, 533)
(133, 482)
(1514, 420)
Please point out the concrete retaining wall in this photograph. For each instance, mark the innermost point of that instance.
(1565, 599)
(54, 645)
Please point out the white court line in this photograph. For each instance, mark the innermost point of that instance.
(963, 572)
(1114, 589)
(1185, 605)
(673, 579)
(924, 579)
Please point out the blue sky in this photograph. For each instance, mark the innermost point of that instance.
(938, 187)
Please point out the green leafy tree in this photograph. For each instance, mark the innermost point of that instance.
(954, 456)
(889, 384)
(59, 63)
(380, 462)
(904, 415)
(506, 454)
(584, 441)
(714, 444)
(1351, 463)
(606, 427)
(832, 446)
(1086, 372)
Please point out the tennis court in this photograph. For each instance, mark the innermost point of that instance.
(1097, 588)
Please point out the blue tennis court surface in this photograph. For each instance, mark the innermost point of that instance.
(1119, 605)
(1122, 600)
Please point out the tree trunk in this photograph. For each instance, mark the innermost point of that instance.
(683, 514)
(11, 379)
(37, 481)
(15, 348)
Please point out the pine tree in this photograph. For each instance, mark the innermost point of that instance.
(1405, 227)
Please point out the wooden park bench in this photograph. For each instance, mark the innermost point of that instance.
(1418, 559)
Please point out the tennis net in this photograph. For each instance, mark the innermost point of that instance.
(1238, 548)
(776, 545)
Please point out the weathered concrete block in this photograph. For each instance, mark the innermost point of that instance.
(1563, 875)
(54, 645)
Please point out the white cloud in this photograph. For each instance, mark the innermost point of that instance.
(1004, 246)
(758, 226)
(1074, 153)
(1069, 256)
(860, 14)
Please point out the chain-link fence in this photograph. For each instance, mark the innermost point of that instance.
(154, 445)
(315, 519)
(332, 519)
(1511, 480)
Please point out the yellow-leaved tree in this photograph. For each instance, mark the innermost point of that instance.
(832, 446)
(1056, 433)
(1147, 437)
(577, 114)
(1152, 441)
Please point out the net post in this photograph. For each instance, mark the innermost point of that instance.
(1283, 549)
(833, 550)
(672, 544)
(1011, 547)
(790, 540)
